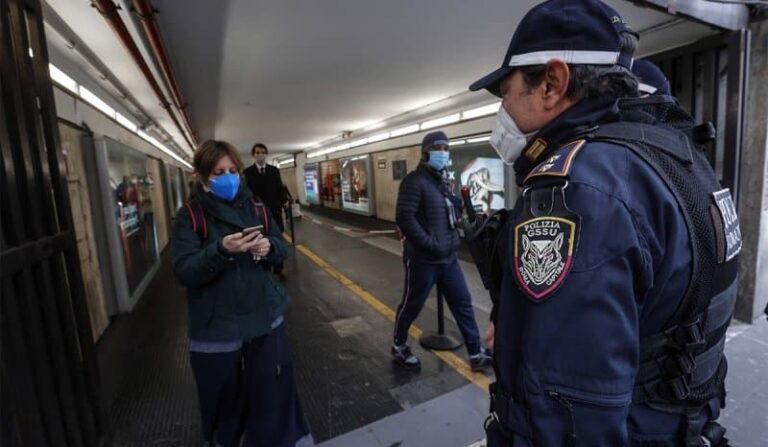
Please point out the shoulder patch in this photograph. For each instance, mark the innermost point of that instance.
(559, 164)
(544, 248)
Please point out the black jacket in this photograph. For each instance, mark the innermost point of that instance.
(268, 187)
(426, 214)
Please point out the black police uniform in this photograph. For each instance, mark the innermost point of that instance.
(615, 273)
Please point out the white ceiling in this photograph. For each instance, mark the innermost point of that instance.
(291, 73)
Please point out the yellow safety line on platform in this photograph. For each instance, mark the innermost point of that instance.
(448, 357)
(288, 238)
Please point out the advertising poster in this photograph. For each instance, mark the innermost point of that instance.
(355, 184)
(482, 171)
(331, 183)
(131, 182)
(311, 185)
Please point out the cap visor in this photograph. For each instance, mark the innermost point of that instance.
(491, 81)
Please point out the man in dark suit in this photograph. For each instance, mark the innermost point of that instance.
(265, 183)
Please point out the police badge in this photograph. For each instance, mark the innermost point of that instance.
(544, 248)
(546, 240)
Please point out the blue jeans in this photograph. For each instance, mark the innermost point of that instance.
(420, 277)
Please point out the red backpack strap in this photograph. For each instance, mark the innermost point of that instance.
(199, 223)
(205, 222)
(259, 205)
(192, 216)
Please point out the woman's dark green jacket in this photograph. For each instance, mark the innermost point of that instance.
(230, 297)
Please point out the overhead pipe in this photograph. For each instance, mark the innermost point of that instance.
(147, 13)
(108, 10)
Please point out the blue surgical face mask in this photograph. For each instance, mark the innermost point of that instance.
(438, 159)
(225, 186)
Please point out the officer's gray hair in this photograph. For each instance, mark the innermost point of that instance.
(591, 81)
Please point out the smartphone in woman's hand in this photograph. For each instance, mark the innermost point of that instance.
(249, 230)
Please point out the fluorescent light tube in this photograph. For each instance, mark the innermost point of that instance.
(378, 137)
(125, 122)
(478, 140)
(490, 109)
(450, 119)
(359, 142)
(404, 130)
(97, 102)
(62, 79)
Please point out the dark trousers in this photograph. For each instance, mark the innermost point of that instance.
(277, 214)
(250, 393)
(420, 277)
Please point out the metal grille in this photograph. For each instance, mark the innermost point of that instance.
(48, 377)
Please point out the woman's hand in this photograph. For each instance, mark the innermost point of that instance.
(262, 247)
(240, 243)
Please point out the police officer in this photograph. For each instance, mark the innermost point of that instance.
(650, 77)
(615, 273)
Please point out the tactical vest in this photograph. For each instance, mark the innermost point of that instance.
(683, 367)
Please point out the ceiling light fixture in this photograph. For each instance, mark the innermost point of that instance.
(125, 122)
(404, 131)
(62, 79)
(97, 102)
(151, 140)
(457, 142)
(490, 109)
(359, 142)
(378, 137)
(479, 139)
(450, 119)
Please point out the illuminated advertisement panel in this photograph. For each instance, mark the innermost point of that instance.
(356, 194)
(311, 184)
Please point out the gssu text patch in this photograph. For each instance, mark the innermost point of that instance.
(544, 248)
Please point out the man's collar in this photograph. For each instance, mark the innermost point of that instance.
(260, 166)
(577, 120)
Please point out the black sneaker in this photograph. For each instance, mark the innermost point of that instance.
(405, 357)
(481, 360)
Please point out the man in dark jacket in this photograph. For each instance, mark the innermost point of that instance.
(427, 215)
(265, 183)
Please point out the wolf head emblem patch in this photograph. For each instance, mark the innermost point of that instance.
(544, 248)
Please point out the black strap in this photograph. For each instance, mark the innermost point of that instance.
(670, 358)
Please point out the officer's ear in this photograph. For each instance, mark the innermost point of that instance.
(556, 79)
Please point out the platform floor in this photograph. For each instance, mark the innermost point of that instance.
(345, 284)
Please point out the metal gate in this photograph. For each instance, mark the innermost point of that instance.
(49, 394)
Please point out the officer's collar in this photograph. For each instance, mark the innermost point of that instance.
(574, 122)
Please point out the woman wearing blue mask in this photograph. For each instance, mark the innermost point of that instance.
(224, 243)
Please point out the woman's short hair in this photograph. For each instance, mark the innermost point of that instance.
(208, 154)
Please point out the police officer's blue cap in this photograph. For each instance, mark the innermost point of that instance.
(575, 31)
(652, 79)
(434, 138)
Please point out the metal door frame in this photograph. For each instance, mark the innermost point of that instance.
(50, 383)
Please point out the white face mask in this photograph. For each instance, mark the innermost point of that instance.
(507, 139)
